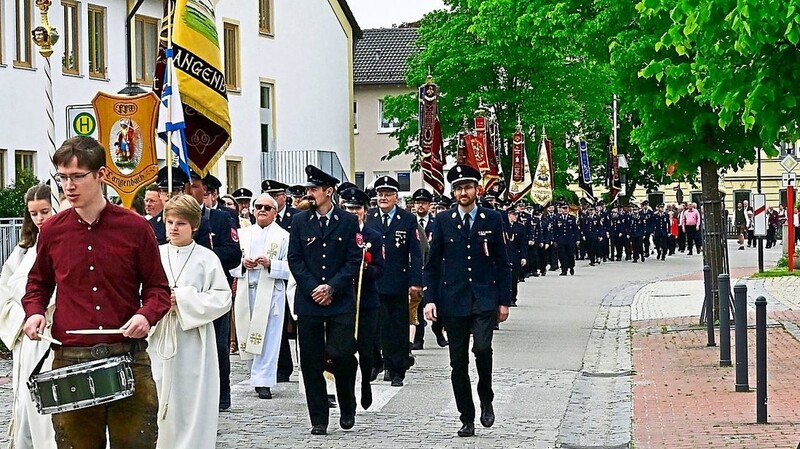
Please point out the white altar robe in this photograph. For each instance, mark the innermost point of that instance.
(29, 429)
(183, 349)
(260, 302)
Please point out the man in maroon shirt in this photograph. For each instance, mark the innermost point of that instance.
(105, 262)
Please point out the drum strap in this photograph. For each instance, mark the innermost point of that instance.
(39, 365)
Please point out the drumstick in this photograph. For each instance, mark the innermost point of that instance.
(49, 339)
(96, 331)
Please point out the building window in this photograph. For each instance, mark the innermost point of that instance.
(23, 20)
(360, 179)
(386, 124)
(97, 41)
(71, 58)
(233, 171)
(355, 117)
(265, 116)
(404, 178)
(231, 36)
(265, 16)
(2, 168)
(146, 46)
(24, 161)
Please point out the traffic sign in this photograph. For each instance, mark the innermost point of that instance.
(760, 215)
(81, 121)
(788, 163)
(789, 179)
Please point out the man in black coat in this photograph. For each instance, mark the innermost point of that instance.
(403, 256)
(323, 258)
(467, 286)
(517, 244)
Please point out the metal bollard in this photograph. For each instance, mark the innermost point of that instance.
(740, 301)
(724, 320)
(709, 301)
(761, 360)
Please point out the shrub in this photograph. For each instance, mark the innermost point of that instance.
(12, 197)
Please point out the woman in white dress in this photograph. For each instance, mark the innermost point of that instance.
(183, 344)
(29, 429)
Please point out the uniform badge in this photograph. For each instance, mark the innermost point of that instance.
(399, 238)
(310, 240)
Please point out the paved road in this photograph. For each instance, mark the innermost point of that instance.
(562, 366)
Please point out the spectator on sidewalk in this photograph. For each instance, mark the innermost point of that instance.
(690, 224)
(740, 223)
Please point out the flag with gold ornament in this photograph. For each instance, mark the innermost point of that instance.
(542, 189)
(198, 63)
(520, 179)
(430, 137)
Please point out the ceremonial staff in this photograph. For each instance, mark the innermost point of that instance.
(364, 247)
(45, 36)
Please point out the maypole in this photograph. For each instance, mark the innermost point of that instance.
(45, 36)
(168, 79)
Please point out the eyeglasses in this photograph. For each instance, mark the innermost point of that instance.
(386, 194)
(263, 206)
(76, 178)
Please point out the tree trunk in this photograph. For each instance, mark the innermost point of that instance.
(713, 251)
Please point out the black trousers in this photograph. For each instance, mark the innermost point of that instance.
(681, 240)
(222, 331)
(515, 274)
(693, 238)
(637, 247)
(459, 329)
(394, 333)
(554, 257)
(591, 245)
(671, 243)
(619, 242)
(646, 242)
(285, 363)
(319, 336)
(365, 343)
(566, 255)
(661, 244)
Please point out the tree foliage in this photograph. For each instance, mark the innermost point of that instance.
(743, 59)
(12, 197)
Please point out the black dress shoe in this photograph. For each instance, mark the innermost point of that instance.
(572, 272)
(397, 381)
(283, 378)
(319, 429)
(264, 393)
(331, 401)
(374, 374)
(366, 395)
(467, 430)
(440, 340)
(487, 415)
(387, 377)
(347, 421)
(418, 345)
(563, 273)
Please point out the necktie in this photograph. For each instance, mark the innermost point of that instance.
(385, 220)
(466, 221)
(323, 222)
(422, 222)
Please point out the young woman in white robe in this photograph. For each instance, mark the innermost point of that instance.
(183, 344)
(28, 428)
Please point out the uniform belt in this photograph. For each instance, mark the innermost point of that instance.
(102, 350)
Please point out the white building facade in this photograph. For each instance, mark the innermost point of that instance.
(288, 66)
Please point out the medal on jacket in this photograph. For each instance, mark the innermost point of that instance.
(485, 248)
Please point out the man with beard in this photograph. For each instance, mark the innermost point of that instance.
(422, 199)
(324, 258)
(471, 295)
(565, 236)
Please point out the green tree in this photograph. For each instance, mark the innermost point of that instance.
(12, 197)
(686, 133)
(743, 61)
(524, 59)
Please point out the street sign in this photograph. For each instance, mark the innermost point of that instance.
(789, 179)
(81, 121)
(760, 215)
(788, 163)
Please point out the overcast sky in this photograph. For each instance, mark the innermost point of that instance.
(385, 13)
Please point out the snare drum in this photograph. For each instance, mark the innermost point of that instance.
(82, 385)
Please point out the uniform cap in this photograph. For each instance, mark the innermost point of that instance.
(212, 182)
(422, 195)
(344, 186)
(353, 197)
(270, 186)
(242, 194)
(178, 178)
(317, 177)
(297, 190)
(463, 173)
(386, 182)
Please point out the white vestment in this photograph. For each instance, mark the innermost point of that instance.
(260, 302)
(183, 348)
(28, 428)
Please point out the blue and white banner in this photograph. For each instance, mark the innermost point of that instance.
(170, 115)
(585, 178)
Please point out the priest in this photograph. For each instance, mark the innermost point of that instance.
(260, 299)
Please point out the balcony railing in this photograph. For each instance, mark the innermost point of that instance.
(289, 166)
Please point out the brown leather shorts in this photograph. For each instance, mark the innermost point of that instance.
(413, 305)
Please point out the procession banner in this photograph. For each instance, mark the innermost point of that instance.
(542, 189)
(585, 175)
(521, 181)
(430, 137)
(126, 129)
(613, 182)
(491, 177)
(198, 63)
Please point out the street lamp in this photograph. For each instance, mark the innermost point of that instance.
(45, 37)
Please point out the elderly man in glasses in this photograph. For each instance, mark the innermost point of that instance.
(259, 309)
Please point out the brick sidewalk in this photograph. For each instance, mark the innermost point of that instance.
(683, 399)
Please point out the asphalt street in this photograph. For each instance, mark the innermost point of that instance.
(561, 375)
